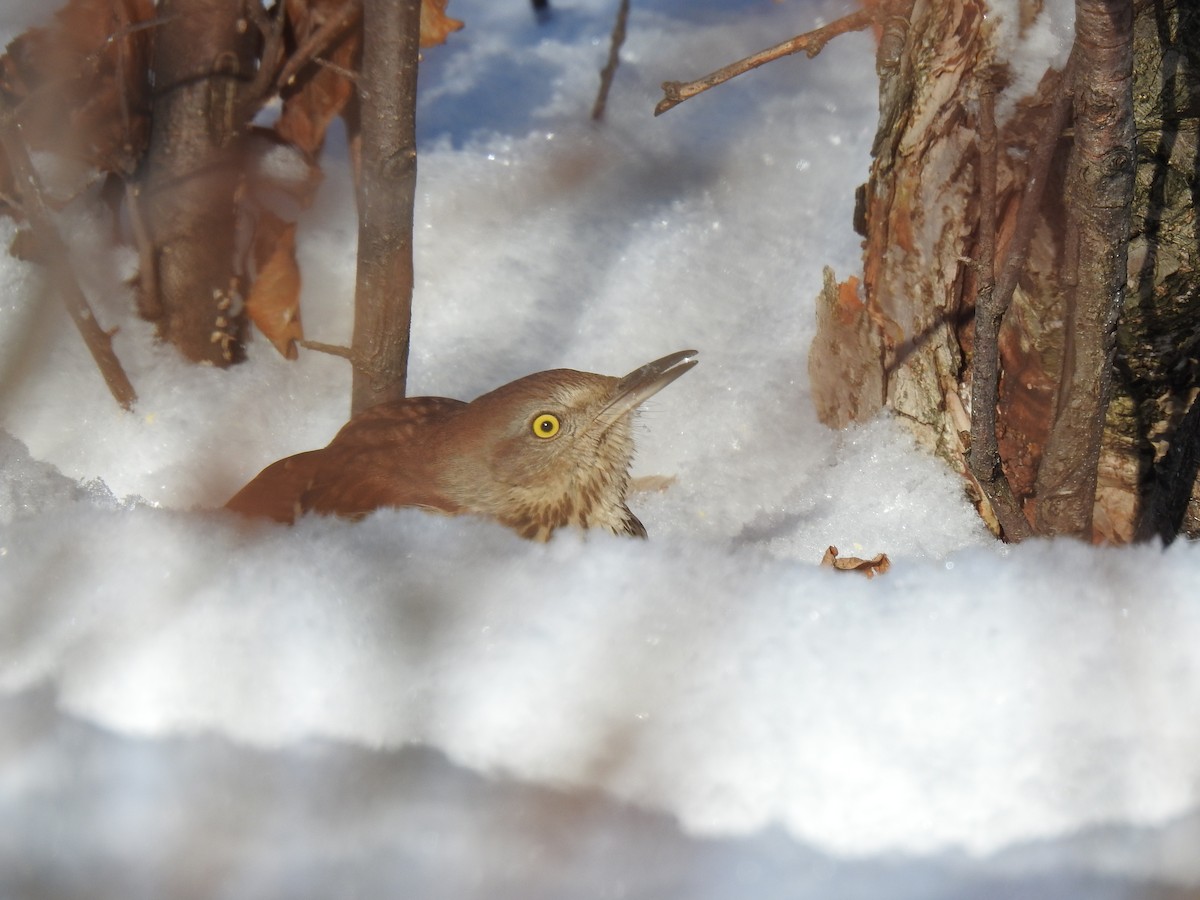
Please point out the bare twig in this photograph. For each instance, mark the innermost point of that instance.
(319, 41)
(123, 67)
(332, 349)
(984, 458)
(271, 29)
(50, 242)
(258, 16)
(329, 64)
(1100, 190)
(614, 59)
(812, 42)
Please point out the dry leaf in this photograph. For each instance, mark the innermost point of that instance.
(318, 94)
(82, 83)
(435, 24)
(869, 567)
(273, 303)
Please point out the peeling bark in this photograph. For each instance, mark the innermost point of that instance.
(919, 213)
(923, 253)
(845, 363)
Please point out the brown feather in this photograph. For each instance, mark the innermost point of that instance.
(483, 458)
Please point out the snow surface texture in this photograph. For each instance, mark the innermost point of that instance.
(432, 706)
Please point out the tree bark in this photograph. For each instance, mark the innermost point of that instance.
(386, 193)
(203, 58)
(915, 329)
(1153, 445)
(1100, 190)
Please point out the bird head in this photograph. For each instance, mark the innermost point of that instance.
(556, 447)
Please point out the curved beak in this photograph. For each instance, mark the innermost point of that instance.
(643, 383)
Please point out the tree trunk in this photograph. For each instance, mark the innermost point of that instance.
(204, 52)
(1099, 193)
(1153, 446)
(386, 193)
(914, 330)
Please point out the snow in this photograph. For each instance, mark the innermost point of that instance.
(196, 705)
(1045, 42)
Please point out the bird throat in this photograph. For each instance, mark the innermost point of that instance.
(588, 495)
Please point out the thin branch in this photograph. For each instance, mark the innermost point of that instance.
(812, 42)
(264, 83)
(123, 68)
(332, 349)
(614, 60)
(319, 41)
(329, 64)
(52, 248)
(258, 16)
(984, 458)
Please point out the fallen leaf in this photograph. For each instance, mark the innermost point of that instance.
(273, 303)
(877, 565)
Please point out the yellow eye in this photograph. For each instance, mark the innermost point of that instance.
(545, 425)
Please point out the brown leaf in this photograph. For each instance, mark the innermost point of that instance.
(273, 303)
(319, 93)
(869, 567)
(82, 82)
(435, 24)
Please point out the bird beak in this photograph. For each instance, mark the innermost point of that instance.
(643, 383)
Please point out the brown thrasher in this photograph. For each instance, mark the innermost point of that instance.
(544, 451)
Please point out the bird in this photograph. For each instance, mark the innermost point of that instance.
(547, 451)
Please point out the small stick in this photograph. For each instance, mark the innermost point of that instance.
(272, 54)
(51, 245)
(812, 42)
(350, 76)
(123, 69)
(331, 349)
(614, 59)
(984, 458)
(319, 41)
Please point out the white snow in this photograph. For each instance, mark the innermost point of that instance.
(1044, 43)
(196, 705)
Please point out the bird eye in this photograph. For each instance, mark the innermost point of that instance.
(546, 425)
